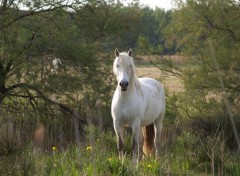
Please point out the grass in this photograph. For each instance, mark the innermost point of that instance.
(100, 157)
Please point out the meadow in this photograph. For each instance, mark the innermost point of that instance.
(180, 155)
(186, 148)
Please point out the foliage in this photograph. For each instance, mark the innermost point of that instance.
(143, 30)
(29, 45)
(206, 33)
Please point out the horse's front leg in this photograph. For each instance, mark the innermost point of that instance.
(140, 146)
(135, 142)
(119, 133)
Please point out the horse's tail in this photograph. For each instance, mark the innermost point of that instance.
(148, 135)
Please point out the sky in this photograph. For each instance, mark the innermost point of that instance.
(165, 4)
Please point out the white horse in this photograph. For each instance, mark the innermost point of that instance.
(56, 65)
(137, 102)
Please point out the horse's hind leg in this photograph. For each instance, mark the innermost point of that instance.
(119, 133)
(158, 125)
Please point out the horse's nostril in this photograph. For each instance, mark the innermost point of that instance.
(123, 83)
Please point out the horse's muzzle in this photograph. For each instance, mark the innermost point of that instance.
(124, 85)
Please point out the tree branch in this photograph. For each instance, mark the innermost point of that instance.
(213, 25)
(35, 12)
(28, 45)
(171, 70)
(45, 98)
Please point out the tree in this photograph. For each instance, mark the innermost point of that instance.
(144, 46)
(34, 33)
(208, 32)
(29, 43)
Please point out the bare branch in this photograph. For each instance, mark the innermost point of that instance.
(22, 96)
(28, 45)
(213, 25)
(45, 98)
(35, 12)
(173, 71)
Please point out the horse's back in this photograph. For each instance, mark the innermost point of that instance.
(154, 97)
(152, 84)
(149, 81)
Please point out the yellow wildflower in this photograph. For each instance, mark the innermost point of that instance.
(149, 166)
(89, 148)
(54, 148)
(110, 159)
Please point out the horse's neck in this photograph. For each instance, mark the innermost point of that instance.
(136, 84)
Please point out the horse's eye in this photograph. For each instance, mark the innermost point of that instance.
(130, 65)
(117, 66)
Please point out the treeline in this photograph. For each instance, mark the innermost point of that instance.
(146, 33)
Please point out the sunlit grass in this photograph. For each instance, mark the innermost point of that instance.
(101, 158)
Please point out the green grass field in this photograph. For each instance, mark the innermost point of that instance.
(180, 156)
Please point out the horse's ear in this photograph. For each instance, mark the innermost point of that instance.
(116, 52)
(130, 52)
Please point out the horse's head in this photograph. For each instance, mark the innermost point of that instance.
(123, 68)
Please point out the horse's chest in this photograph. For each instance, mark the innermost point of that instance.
(127, 115)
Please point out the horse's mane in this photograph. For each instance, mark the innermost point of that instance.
(127, 61)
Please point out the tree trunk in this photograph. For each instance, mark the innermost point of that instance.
(2, 84)
(1, 100)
